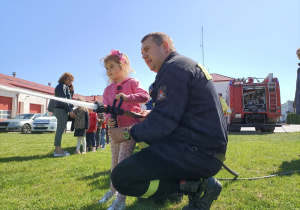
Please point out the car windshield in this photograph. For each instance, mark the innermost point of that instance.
(24, 116)
(48, 114)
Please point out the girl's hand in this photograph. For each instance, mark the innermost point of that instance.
(111, 122)
(119, 95)
(94, 131)
(86, 130)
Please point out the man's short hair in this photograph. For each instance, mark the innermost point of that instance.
(298, 51)
(159, 37)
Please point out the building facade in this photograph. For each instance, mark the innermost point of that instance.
(13, 102)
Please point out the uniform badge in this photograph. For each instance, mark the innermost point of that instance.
(161, 93)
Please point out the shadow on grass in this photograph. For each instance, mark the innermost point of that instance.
(25, 158)
(288, 166)
(71, 150)
(94, 206)
(103, 175)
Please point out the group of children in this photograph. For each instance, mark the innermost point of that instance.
(88, 126)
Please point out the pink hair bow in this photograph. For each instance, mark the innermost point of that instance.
(117, 53)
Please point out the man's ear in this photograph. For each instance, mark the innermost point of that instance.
(166, 46)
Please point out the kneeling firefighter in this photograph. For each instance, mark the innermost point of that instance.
(185, 131)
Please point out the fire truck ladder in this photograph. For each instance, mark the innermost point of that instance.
(272, 97)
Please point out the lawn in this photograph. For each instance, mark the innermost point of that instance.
(32, 179)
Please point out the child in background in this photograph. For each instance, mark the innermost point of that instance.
(118, 68)
(81, 125)
(103, 133)
(90, 134)
(101, 130)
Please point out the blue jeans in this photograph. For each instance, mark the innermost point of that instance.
(102, 138)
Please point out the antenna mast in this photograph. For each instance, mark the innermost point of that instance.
(202, 49)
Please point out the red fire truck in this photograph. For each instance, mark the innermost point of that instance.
(254, 104)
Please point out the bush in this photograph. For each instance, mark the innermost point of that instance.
(292, 118)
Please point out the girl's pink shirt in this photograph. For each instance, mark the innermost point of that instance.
(135, 95)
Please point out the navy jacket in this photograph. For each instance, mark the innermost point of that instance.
(187, 108)
(63, 91)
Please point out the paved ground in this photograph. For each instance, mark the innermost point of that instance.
(286, 128)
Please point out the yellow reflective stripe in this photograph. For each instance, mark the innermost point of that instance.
(153, 186)
(143, 145)
(207, 75)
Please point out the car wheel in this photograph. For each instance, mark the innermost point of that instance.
(26, 128)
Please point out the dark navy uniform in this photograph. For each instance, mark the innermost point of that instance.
(185, 131)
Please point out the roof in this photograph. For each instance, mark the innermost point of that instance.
(220, 78)
(93, 98)
(15, 82)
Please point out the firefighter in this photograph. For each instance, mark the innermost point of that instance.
(225, 108)
(186, 132)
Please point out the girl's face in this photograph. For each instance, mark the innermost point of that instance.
(114, 71)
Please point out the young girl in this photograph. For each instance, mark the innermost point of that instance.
(91, 133)
(81, 126)
(118, 68)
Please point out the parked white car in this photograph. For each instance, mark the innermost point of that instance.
(47, 123)
(22, 122)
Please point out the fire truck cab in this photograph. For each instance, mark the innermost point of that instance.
(254, 104)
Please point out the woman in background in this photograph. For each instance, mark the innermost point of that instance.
(64, 89)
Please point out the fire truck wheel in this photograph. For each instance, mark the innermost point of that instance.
(268, 129)
(234, 128)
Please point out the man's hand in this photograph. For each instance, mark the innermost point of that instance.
(144, 115)
(116, 134)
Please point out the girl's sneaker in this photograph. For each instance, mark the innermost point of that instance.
(83, 152)
(94, 149)
(77, 152)
(109, 195)
(117, 205)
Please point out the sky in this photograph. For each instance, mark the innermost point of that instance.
(40, 40)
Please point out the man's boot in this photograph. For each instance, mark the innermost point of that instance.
(208, 191)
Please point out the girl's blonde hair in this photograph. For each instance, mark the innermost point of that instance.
(81, 107)
(121, 59)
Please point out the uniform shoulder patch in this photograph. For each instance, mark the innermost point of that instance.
(161, 93)
(207, 75)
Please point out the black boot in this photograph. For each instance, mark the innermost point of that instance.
(208, 191)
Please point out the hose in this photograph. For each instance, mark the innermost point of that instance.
(262, 177)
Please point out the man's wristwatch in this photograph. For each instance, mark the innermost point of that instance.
(126, 134)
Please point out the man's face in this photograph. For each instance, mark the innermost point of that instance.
(153, 55)
(298, 54)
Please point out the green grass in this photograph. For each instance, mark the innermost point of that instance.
(30, 178)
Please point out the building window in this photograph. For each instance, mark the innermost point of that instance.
(5, 114)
